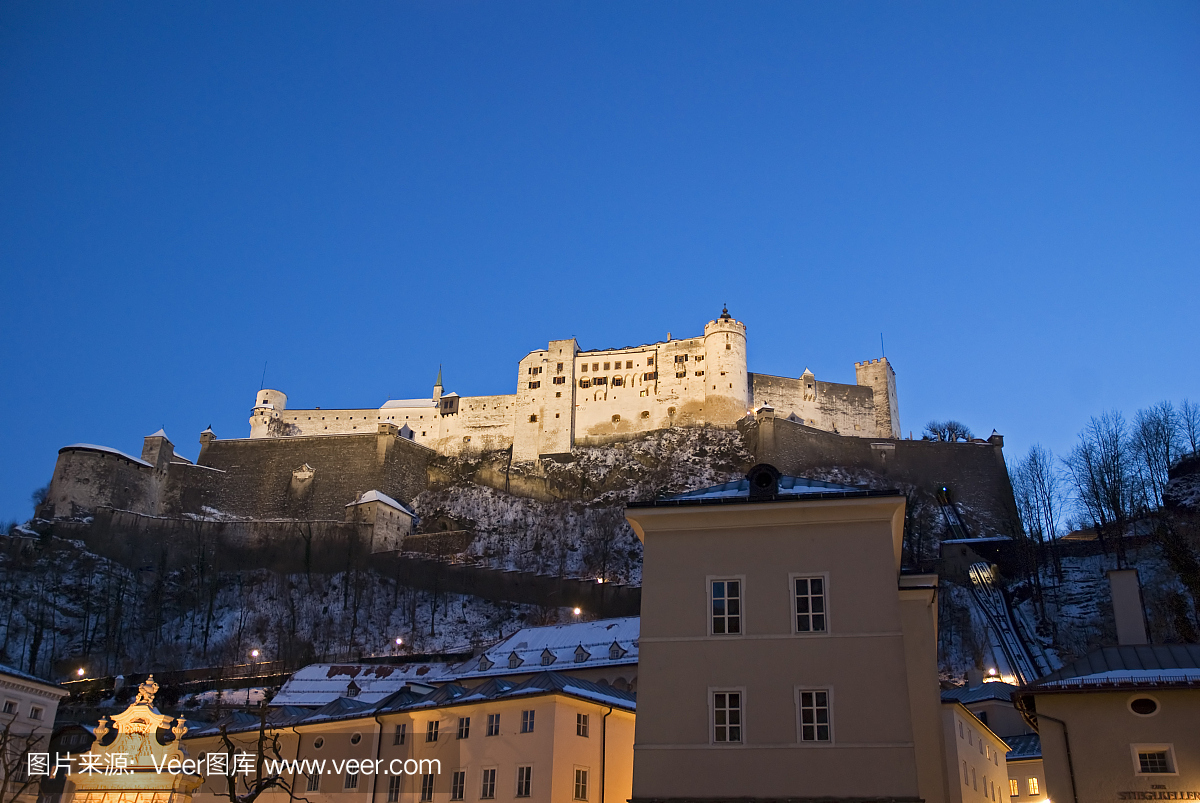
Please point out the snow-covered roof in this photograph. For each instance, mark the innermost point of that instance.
(450, 395)
(788, 486)
(394, 403)
(319, 684)
(91, 447)
(1023, 747)
(579, 645)
(162, 433)
(376, 496)
(28, 678)
(991, 690)
(1127, 665)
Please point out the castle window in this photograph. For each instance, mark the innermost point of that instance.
(583, 367)
(629, 363)
(680, 374)
(560, 380)
(680, 358)
(699, 358)
(534, 385)
(560, 367)
(616, 419)
(533, 419)
(650, 376)
(585, 383)
(595, 366)
(645, 413)
(670, 411)
(728, 347)
(649, 361)
(558, 395)
(617, 381)
(606, 366)
(699, 373)
(645, 393)
(600, 380)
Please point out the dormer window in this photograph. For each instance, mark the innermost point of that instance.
(352, 689)
(581, 655)
(615, 651)
(514, 660)
(548, 657)
(485, 664)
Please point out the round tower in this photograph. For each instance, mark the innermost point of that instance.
(726, 390)
(267, 406)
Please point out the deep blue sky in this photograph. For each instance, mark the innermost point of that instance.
(355, 193)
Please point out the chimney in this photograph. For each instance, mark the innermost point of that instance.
(1127, 606)
(974, 678)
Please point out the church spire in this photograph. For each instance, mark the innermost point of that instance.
(438, 383)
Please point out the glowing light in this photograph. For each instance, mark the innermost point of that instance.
(254, 653)
(80, 672)
(578, 611)
(399, 641)
(992, 671)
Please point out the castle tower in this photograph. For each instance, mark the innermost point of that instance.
(879, 376)
(267, 406)
(437, 388)
(726, 389)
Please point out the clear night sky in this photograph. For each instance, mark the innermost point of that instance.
(355, 193)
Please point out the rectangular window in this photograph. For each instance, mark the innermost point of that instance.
(1153, 762)
(1033, 786)
(560, 380)
(649, 361)
(524, 781)
(400, 734)
(726, 607)
(314, 782)
(585, 383)
(584, 367)
(351, 780)
(727, 717)
(581, 779)
(427, 787)
(493, 725)
(814, 715)
(464, 727)
(650, 376)
(680, 358)
(1014, 788)
(487, 789)
(527, 722)
(606, 368)
(431, 730)
(629, 363)
(581, 725)
(35, 712)
(680, 374)
(595, 366)
(560, 367)
(458, 785)
(534, 385)
(393, 795)
(10, 706)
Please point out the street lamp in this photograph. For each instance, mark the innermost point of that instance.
(578, 611)
(80, 672)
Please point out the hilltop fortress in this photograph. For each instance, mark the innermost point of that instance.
(567, 396)
(357, 471)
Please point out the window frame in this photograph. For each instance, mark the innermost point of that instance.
(487, 783)
(400, 735)
(586, 772)
(458, 784)
(583, 725)
(493, 725)
(432, 730)
(528, 768)
(395, 784)
(464, 728)
(708, 594)
(824, 578)
(713, 691)
(528, 720)
(800, 740)
(1154, 747)
(427, 787)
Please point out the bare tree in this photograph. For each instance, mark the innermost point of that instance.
(1156, 442)
(17, 784)
(1103, 472)
(1038, 488)
(1189, 425)
(947, 431)
(246, 787)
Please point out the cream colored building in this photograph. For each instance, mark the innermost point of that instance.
(1121, 724)
(567, 395)
(978, 756)
(783, 653)
(550, 738)
(28, 706)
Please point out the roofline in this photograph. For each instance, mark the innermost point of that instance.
(1159, 682)
(978, 722)
(373, 711)
(736, 500)
(46, 685)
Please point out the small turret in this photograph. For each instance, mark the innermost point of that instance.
(437, 386)
(157, 450)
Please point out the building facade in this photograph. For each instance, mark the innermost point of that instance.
(567, 396)
(783, 655)
(28, 706)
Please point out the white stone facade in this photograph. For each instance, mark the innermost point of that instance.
(568, 396)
